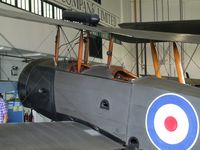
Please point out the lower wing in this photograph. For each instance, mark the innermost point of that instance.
(53, 136)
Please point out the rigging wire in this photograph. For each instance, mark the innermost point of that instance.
(191, 59)
(128, 52)
(98, 51)
(18, 51)
(138, 61)
(45, 39)
(43, 76)
(114, 56)
(69, 42)
(133, 57)
(166, 51)
(13, 47)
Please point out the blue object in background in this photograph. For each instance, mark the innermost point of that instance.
(15, 112)
(7, 86)
(15, 108)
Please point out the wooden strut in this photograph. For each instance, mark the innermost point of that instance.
(110, 50)
(86, 53)
(179, 68)
(155, 60)
(80, 52)
(57, 45)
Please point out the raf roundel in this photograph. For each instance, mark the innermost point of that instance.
(172, 122)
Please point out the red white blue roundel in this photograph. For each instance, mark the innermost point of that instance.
(172, 123)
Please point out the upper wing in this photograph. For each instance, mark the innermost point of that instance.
(141, 34)
(134, 40)
(53, 136)
(177, 27)
(183, 26)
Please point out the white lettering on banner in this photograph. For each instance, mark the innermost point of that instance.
(106, 18)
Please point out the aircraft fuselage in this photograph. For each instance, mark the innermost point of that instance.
(148, 112)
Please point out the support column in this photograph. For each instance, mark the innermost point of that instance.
(86, 52)
(110, 50)
(80, 52)
(155, 60)
(179, 68)
(57, 45)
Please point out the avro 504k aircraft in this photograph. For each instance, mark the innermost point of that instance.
(105, 106)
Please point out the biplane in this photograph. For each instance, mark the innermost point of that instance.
(105, 106)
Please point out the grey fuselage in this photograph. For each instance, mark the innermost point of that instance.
(119, 108)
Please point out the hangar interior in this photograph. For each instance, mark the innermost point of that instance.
(41, 37)
(23, 41)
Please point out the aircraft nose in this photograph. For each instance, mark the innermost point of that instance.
(35, 86)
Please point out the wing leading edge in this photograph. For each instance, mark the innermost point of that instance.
(141, 34)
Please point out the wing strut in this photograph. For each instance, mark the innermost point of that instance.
(155, 60)
(86, 53)
(57, 44)
(179, 68)
(110, 49)
(80, 52)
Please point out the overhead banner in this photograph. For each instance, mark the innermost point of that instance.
(88, 6)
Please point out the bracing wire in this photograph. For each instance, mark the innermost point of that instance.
(69, 43)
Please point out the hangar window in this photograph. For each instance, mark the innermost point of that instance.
(36, 7)
(11, 2)
(24, 4)
(39, 7)
(57, 13)
(51, 10)
(47, 10)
